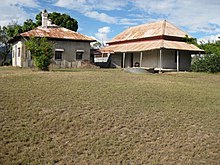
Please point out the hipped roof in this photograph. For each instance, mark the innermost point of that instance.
(56, 32)
(151, 45)
(159, 28)
(157, 35)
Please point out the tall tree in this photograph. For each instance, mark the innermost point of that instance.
(28, 25)
(5, 46)
(63, 20)
(13, 29)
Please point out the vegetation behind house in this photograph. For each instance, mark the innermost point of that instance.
(210, 62)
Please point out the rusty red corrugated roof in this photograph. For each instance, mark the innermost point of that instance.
(150, 45)
(159, 28)
(57, 33)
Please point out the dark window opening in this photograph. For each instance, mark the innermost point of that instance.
(58, 55)
(19, 52)
(79, 55)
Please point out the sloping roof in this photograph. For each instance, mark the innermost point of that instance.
(57, 33)
(149, 30)
(151, 45)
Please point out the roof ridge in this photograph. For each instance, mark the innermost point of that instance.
(180, 29)
(164, 27)
(147, 23)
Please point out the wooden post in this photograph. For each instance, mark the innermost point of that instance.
(160, 60)
(123, 60)
(177, 60)
(141, 56)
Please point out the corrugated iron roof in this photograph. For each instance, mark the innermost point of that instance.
(151, 45)
(57, 32)
(149, 30)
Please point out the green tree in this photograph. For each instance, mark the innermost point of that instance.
(63, 20)
(13, 29)
(210, 62)
(42, 51)
(4, 45)
(191, 40)
(59, 19)
(28, 25)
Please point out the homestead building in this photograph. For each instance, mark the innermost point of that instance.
(71, 48)
(158, 45)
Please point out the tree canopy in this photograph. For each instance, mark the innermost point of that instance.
(4, 45)
(59, 19)
(210, 62)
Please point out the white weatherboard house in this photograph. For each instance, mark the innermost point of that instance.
(71, 48)
(159, 45)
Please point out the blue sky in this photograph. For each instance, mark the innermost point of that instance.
(103, 19)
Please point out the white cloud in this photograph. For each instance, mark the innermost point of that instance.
(88, 8)
(211, 38)
(126, 21)
(12, 10)
(202, 16)
(102, 34)
(92, 4)
(100, 16)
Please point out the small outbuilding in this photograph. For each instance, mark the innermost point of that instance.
(159, 45)
(71, 48)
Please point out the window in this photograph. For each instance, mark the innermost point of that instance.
(19, 52)
(58, 55)
(79, 55)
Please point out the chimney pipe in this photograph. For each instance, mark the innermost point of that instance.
(44, 16)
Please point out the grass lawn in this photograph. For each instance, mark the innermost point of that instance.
(108, 117)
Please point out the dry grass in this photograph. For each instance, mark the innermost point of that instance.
(108, 117)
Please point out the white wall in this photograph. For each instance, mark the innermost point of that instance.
(16, 54)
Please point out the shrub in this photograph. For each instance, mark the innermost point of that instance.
(207, 63)
(42, 62)
(41, 51)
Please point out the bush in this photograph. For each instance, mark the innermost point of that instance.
(42, 62)
(41, 51)
(207, 63)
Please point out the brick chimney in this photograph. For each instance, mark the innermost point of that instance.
(44, 16)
